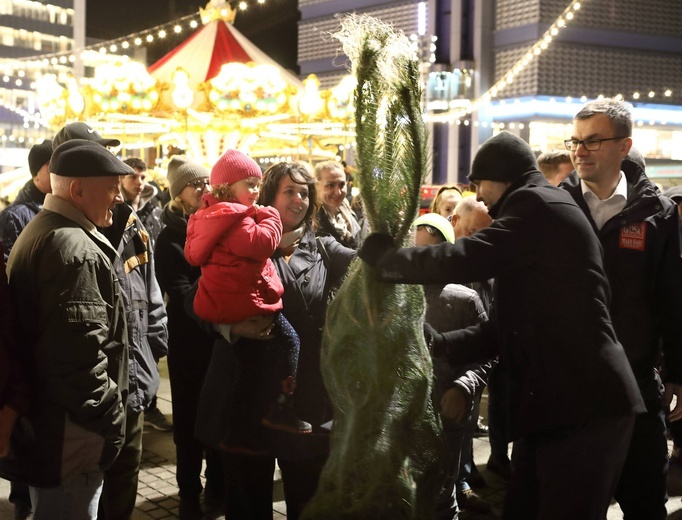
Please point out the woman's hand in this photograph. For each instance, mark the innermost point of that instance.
(258, 327)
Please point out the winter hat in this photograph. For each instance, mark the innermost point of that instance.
(439, 222)
(674, 193)
(83, 158)
(181, 171)
(504, 157)
(233, 166)
(39, 156)
(80, 130)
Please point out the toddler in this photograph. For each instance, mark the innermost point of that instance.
(232, 239)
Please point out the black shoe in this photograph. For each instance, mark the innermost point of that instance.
(502, 469)
(475, 479)
(190, 509)
(22, 510)
(157, 420)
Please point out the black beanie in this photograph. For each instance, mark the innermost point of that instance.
(504, 158)
(39, 156)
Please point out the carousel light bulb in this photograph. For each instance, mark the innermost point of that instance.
(150, 38)
(652, 93)
(21, 73)
(177, 29)
(113, 48)
(162, 33)
(668, 93)
(576, 6)
(193, 24)
(138, 41)
(125, 45)
(62, 59)
(569, 16)
(635, 95)
(242, 6)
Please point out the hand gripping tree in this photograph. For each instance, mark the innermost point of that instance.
(375, 363)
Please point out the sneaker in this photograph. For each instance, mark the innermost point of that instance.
(469, 500)
(157, 420)
(481, 429)
(502, 469)
(283, 418)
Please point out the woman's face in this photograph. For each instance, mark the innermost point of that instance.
(292, 202)
(192, 193)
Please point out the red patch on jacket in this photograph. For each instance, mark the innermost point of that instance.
(633, 236)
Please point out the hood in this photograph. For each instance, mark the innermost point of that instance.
(209, 225)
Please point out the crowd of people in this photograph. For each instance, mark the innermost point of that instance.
(555, 285)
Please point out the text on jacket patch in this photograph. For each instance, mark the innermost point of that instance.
(633, 236)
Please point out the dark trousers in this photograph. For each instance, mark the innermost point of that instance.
(187, 370)
(568, 473)
(642, 489)
(249, 485)
(498, 413)
(120, 480)
(446, 503)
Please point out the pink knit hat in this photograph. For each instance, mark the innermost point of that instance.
(232, 167)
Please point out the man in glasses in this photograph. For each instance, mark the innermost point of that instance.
(639, 233)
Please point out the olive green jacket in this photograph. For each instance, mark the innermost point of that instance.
(74, 346)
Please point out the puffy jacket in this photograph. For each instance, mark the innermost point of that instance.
(642, 260)
(145, 313)
(551, 325)
(15, 217)
(233, 243)
(73, 329)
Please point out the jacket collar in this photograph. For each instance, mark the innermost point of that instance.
(527, 180)
(69, 211)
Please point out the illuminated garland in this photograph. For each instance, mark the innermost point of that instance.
(145, 37)
(532, 53)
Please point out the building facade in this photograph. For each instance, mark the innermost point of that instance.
(479, 83)
(31, 29)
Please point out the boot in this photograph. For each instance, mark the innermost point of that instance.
(282, 415)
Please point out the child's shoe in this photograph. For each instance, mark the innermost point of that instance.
(282, 415)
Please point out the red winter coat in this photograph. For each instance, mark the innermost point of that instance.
(233, 243)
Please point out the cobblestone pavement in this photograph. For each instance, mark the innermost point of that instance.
(158, 498)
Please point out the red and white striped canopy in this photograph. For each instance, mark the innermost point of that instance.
(207, 50)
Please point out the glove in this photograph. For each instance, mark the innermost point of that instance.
(435, 341)
(374, 247)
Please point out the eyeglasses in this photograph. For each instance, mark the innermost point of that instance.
(591, 145)
(199, 183)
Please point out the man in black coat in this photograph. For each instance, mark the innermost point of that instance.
(573, 394)
(639, 233)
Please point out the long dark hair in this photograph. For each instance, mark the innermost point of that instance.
(272, 178)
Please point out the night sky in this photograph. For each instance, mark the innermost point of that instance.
(272, 26)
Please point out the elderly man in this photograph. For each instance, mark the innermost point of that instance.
(73, 332)
(639, 233)
(573, 393)
(470, 216)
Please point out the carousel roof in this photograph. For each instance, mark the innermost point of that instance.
(208, 49)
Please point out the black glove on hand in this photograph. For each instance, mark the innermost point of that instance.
(435, 341)
(374, 247)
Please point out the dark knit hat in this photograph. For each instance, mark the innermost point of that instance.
(504, 157)
(674, 193)
(233, 166)
(80, 130)
(83, 158)
(39, 156)
(181, 171)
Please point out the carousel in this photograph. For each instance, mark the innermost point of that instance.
(216, 90)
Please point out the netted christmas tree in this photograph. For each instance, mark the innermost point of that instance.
(378, 372)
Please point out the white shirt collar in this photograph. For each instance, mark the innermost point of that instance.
(603, 210)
